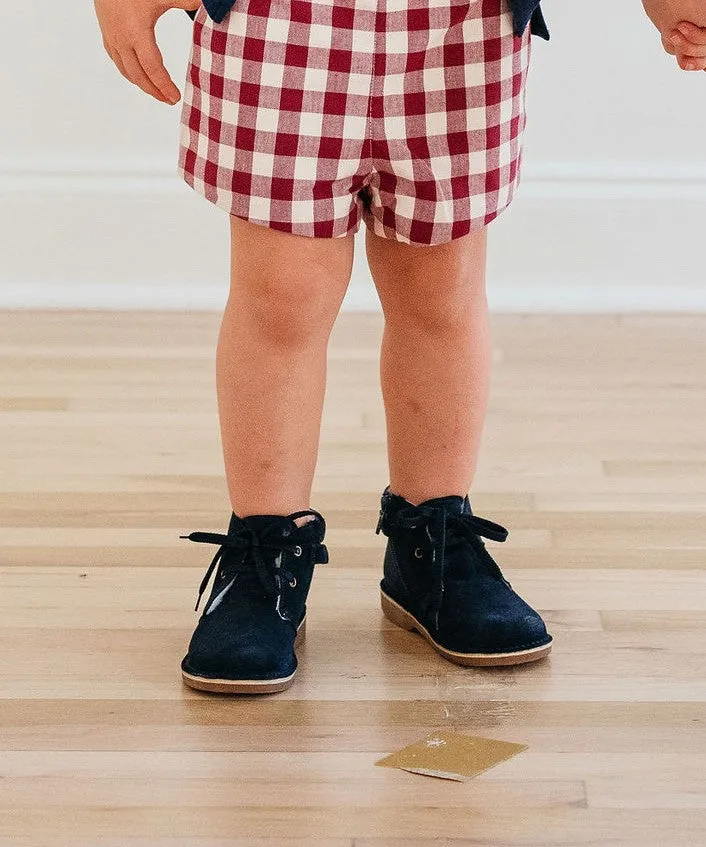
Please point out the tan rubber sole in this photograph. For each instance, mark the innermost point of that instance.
(402, 618)
(245, 686)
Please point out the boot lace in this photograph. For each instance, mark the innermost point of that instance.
(444, 527)
(250, 551)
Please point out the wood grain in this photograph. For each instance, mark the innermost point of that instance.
(593, 457)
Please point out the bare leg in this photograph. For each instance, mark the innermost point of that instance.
(435, 361)
(285, 294)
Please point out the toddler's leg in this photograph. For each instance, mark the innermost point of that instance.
(435, 360)
(438, 577)
(286, 291)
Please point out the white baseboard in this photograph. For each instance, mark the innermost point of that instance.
(543, 298)
(131, 235)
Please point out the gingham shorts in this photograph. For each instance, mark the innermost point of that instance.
(306, 115)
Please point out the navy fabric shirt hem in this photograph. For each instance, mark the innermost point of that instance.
(538, 26)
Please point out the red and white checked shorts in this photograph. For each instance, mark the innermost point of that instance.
(306, 115)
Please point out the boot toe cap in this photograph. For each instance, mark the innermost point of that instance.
(509, 633)
(494, 621)
(241, 661)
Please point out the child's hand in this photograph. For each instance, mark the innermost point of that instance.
(682, 25)
(688, 43)
(127, 27)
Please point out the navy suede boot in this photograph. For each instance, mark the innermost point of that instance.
(244, 641)
(439, 580)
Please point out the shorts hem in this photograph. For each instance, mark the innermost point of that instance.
(457, 230)
(340, 227)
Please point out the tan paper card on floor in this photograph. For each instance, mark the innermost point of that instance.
(450, 755)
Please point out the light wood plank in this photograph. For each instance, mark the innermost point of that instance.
(593, 458)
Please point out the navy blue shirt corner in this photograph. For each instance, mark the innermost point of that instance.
(523, 12)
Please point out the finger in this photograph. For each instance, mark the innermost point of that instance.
(689, 48)
(138, 76)
(693, 33)
(691, 63)
(670, 48)
(113, 56)
(117, 61)
(150, 58)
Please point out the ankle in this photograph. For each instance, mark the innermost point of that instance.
(303, 519)
(300, 521)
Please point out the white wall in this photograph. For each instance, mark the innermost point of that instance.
(610, 213)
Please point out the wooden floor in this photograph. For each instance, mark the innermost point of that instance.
(594, 458)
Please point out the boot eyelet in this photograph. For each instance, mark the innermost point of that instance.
(297, 550)
(293, 582)
(418, 553)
